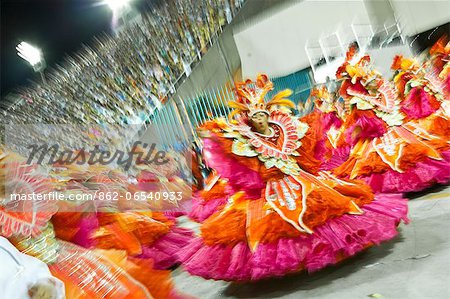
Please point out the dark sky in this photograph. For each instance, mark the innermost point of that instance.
(56, 26)
(60, 26)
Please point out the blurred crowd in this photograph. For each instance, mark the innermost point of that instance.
(121, 80)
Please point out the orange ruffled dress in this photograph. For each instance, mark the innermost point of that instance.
(126, 223)
(85, 273)
(285, 216)
(393, 151)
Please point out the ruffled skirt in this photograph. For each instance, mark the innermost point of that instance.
(330, 243)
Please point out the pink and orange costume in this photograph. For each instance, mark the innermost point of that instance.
(284, 216)
(87, 273)
(392, 129)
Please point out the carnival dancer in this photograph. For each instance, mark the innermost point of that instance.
(86, 273)
(285, 216)
(391, 150)
(122, 216)
(423, 99)
(326, 121)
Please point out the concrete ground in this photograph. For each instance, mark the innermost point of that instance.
(414, 265)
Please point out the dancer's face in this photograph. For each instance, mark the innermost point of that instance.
(260, 122)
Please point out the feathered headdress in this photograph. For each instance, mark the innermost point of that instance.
(357, 70)
(351, 53)
(322, 98)
(401, 63)
(250, 97)
(320, 92)
(440, 56)
(441, 47)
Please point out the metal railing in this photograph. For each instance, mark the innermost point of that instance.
(179, 118)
